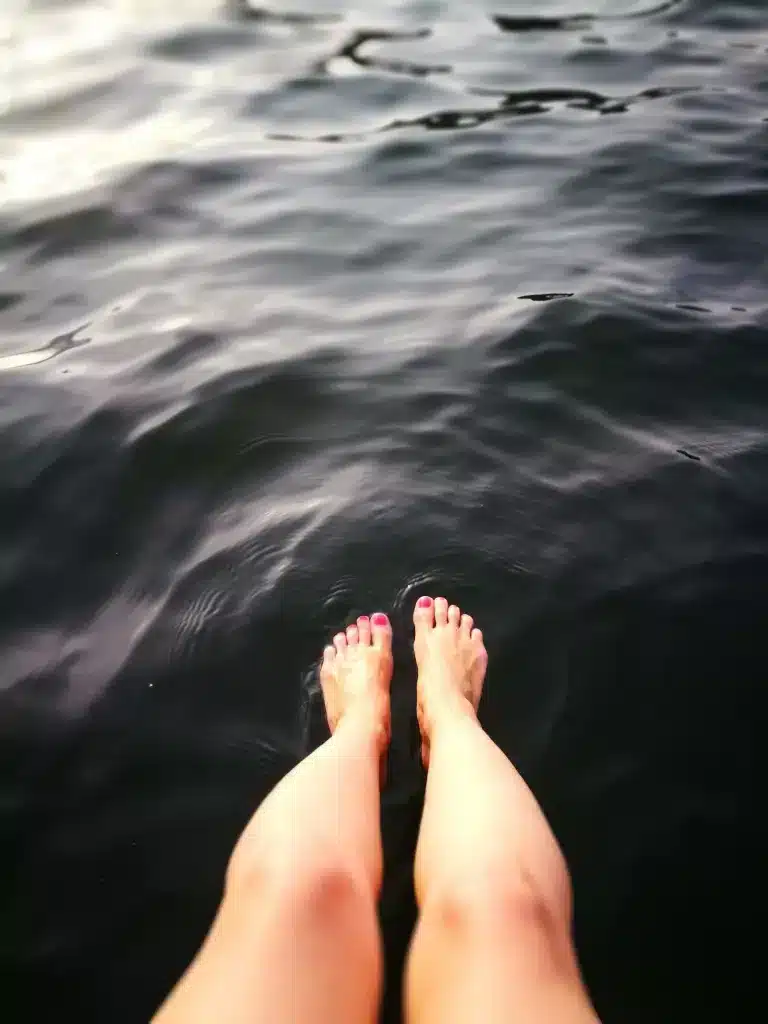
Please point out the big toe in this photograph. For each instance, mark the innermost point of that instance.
(424, 614)
(381, 631)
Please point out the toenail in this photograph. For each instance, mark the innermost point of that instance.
(380, 619)
(425, 602)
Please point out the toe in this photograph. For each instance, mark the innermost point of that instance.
(329, 653)
(424, 613)
(340, 642)
(364, 630)
(467, 622)
(441, 611)
(382, 631)
(454, 615)
(477, 637)
(353, 635)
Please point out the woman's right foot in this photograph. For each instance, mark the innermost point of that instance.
(452, 660)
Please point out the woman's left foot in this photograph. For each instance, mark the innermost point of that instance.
(356, 673)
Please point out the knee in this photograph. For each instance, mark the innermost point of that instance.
(318, 886)
(327, 889)
(499, 906)
(321, 898)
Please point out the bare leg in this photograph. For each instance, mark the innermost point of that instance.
(296, 938)
(493, 942)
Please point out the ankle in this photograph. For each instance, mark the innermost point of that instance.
(371, 715)
(447, 709)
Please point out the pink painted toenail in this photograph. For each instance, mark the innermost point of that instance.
(425, 602)
(380, 619)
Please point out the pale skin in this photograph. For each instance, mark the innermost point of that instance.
(296, 937)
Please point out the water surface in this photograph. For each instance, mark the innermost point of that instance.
(308, 309)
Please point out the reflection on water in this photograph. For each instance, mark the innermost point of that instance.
(549, 23)
(272, 354)
(54, 347)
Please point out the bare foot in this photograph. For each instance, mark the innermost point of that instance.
(451, 660)
(356, 673)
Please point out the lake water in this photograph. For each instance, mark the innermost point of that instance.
(310, 309)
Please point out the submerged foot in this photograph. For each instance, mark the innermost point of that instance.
(356, 673)
(452, 660)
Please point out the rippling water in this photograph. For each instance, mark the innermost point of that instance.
(308, 309)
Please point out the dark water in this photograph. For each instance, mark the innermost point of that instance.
(306, 311)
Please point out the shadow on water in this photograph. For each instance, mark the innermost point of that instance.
(243, 11)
